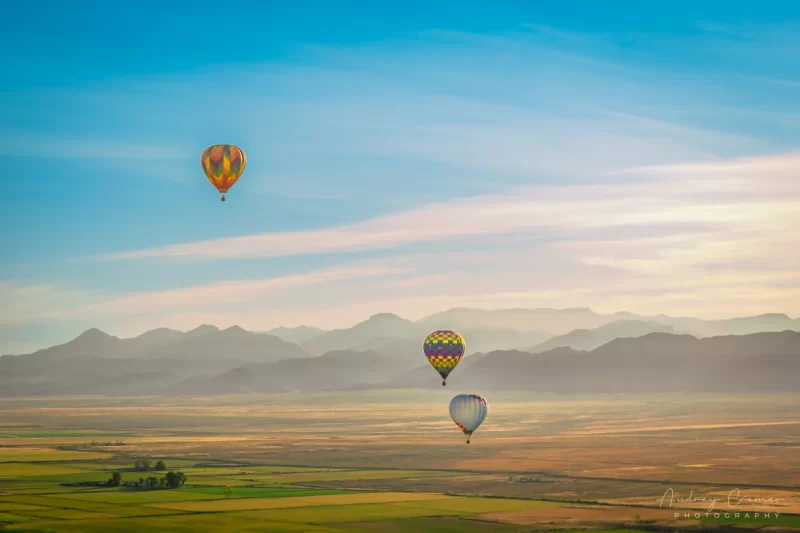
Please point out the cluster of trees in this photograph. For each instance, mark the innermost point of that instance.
(172, 480)
(143, 465)
(109, 443)
(152, 482)
(523, 479)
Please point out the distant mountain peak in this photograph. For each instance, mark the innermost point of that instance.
(386, 316)
(203, 330)
(782, 316)
(158, 331)
(93, 334)
(236, 330)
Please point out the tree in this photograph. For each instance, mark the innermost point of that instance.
(162, 482)
(161, 466)
(116, 479)
(228, 492)
(142, 465)
(175, 480)
(152, 482)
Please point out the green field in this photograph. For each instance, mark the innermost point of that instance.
(41, 494)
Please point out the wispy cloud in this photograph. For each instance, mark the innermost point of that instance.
(673, 238)
(558, 32)
(226, 292)
(742, 193)
(727, 30)
(788, 83)
(775, 168)
(38, 301)
(383, 101)
(12, 145)
(25, 301)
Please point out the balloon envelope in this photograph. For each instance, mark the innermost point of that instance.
(444, 349)
(468, 411)
(223, 165)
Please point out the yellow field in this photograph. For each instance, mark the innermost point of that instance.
(252, 504)
(47, 454)
(23, 470)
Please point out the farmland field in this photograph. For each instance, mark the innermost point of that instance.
(391, 462)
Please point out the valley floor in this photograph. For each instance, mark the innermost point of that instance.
(394, 462)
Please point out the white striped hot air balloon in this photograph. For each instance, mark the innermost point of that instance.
(468, 411)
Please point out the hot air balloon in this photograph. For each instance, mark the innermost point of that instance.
(223, 165)
(468, 411)
(444, 349)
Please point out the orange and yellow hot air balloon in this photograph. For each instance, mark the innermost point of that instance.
(223, 165)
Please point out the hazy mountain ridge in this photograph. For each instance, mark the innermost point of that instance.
(337, 370)
(562, 321)
(93, 358)
(485, 330)
(550, 321)
(589, 339)
(623, 353)
(297, 334)
(380, 326)
(658, 362)
(524, 329)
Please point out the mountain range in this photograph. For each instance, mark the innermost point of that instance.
(525, 328)
(568, 350)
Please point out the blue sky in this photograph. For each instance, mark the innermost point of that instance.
(404, 158)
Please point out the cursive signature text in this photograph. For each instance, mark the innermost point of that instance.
(734, 499)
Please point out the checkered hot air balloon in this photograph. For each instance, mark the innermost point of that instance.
(444, 349)
(223, 165)
(468, 411)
